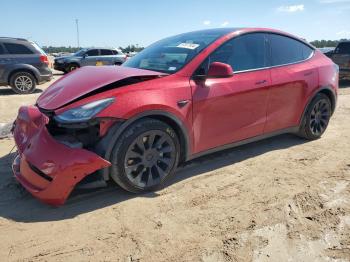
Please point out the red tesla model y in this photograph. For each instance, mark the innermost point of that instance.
(178, 99)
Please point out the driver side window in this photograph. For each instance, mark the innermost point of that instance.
(246, 52)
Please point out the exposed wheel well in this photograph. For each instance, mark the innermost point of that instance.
(22, 70)
(179, 132)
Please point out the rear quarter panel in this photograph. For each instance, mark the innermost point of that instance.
(328, 75)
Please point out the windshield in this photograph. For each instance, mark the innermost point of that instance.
(171, 54)
(81, 52)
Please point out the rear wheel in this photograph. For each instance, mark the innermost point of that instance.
(22, 82)
(316, 117)
(145, 156)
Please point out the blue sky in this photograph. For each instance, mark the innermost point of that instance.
(119, 23)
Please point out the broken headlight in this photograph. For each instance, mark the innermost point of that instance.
(84, 112)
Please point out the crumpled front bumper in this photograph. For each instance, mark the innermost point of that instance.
(48, 169)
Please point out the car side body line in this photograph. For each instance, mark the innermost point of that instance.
(293, 129)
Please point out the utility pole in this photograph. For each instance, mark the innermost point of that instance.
(77, 24)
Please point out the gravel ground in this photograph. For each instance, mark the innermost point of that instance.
(280, 199)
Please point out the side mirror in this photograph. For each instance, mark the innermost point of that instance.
(219, 70)
(85, 55)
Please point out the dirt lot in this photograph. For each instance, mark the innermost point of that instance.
(275, 200)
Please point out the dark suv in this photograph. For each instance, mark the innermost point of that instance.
(341, 56)
(23, 64)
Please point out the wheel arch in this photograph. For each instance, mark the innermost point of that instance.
(163, 116)
(331, 95)
(22, 69)
(329, 92)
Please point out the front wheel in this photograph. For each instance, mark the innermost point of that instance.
(316, 118)
(145, 156)
(72, 67)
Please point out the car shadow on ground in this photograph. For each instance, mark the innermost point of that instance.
(344, 83)
(16, 204)
(10, 92)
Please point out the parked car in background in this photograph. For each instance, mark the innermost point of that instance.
(23, 64)
(180, 98)
(341, 56)
(89, 57)
(326, 50)
(131, 54)
(61, 54)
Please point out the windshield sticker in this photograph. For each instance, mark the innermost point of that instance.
(172, 68)
(188, 46)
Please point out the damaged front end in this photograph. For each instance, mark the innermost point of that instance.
(59, 144)
(53, 156)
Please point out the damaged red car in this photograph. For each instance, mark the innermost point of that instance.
(178, 99)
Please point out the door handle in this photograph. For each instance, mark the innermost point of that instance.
(261, 82)
(182, 103)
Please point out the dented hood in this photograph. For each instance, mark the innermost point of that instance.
(87, 80)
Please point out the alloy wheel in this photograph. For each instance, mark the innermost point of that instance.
(23, 83)
(319, 117)
(149, 158)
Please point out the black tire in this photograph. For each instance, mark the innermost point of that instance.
(118, 63)
(145, 156)
(71, 67)
(316, 118)
(22, 82)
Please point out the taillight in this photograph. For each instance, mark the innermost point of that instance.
(44, 59)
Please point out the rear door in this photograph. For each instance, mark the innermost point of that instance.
(341, 56)
(293, 75)
(106, 57)
(227, 110)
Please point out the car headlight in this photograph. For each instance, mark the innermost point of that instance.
(84, 112)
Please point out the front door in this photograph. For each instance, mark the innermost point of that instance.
(90, 58)
(227, 110)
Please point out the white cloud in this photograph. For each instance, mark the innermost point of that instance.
(206, 22)
(291, 8)
(225, 23)
(334, 1)
(343, 33)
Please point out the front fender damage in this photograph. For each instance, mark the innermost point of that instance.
(47, 168)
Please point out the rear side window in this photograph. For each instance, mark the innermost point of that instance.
(93, 52)
(2, 51)
(115, 52)
(285, 50)
(17, 49)
(246, 52)
(106, 52)
(343, 48)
